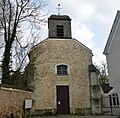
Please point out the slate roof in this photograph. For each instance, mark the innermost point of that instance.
(59, 17)
(106, 88)
(92, 68)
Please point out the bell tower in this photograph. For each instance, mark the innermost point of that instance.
(59, 26)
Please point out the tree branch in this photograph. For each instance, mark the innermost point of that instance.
(10, 18)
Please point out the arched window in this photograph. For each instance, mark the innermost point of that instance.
(62, 70)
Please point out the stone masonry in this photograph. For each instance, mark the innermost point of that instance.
(12, 101)
(43, 60)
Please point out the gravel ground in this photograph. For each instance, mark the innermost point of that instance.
(73, 116)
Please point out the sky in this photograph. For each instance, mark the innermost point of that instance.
(91, 22)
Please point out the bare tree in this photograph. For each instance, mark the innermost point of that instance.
(17, 18)
(103, 72)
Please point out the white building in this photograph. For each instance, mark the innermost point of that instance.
(109, 96)
(112, 52)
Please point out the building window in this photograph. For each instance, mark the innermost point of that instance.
(110, 99)
(62, 70)
(114, 100)
(60, 31)
(117, 99)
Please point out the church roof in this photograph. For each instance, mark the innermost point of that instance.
(51, 39)
(59, 17)
(85, 47)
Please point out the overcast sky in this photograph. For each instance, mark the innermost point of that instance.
(91, 21)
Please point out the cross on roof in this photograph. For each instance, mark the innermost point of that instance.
(59, 9)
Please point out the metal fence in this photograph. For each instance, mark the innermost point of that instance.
(110, 105)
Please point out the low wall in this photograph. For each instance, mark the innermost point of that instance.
(12, 101)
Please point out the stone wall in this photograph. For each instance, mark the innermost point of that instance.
(95, 91)
(12, 101)
(44, 80)
(65, 21)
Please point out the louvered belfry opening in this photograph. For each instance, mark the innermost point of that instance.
(59, 26)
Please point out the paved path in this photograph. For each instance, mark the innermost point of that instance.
(74, 116)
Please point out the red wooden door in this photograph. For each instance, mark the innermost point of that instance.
(63, 100)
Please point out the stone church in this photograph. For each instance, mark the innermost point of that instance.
(61, 73)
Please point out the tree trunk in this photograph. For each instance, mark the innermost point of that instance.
(5, 64)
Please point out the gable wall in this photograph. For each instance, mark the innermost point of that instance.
(44, 58)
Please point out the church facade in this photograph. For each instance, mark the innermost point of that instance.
(61, 73)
